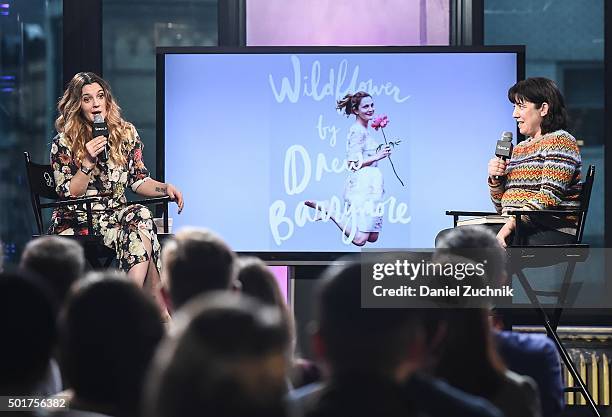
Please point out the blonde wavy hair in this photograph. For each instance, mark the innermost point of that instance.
(78, 130)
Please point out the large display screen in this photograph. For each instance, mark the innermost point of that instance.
(250, 135)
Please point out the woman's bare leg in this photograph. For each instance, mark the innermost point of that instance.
(147, 273)
(359, 239)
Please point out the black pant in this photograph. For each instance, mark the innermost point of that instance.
(531, 235)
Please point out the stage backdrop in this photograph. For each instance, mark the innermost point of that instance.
(249, 137)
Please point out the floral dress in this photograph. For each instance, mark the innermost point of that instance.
(364, 189)
(117, 223)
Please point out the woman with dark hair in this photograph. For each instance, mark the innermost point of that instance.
(544, 170)
(468, 360)
(80, 171)
(360, 220)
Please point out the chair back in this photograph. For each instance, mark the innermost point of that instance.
(585, 198)
(42, 184)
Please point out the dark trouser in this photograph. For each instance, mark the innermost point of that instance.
(530, 235)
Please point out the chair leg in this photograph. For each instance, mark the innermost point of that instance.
(551, 331)
(563, 293)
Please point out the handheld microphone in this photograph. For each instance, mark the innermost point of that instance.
(100, 128)
(503, 149)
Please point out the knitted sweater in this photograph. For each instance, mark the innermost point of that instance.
(542, 174)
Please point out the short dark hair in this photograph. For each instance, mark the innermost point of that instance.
(360, 338)
(217, 360)
(540, 90)
(196, 261)
(27, 318)
(477, 243)
(109, 331)
(59, 261)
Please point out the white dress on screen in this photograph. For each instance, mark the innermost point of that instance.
(364, 188)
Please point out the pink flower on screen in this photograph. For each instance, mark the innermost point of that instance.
(380, 121)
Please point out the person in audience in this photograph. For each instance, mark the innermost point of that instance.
(373, 357)
(84, 165)
(196, 261)
(360, 221)
(58, 261)
(1, 256)
(226, 358)
(27, 319)
(534, 355)
(109, 331)
(258, 281)
(467, 348)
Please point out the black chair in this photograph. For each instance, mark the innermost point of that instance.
(523, 256)
(42, 185)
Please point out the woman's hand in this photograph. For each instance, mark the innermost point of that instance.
(505, 232)
(94, 148)
(497, 166)
(176, 196)
(384, 152)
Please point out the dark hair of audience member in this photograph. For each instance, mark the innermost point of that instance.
(196, 261)
(57, 260)
(468, 348)
(226, 358)
(479, 244)
(27, 319)
(258, 281)
(371, 340)
(109, 331)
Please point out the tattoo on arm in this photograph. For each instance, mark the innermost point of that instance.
(162, 190)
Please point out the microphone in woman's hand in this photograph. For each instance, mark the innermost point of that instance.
(100, 128)
(503, 149)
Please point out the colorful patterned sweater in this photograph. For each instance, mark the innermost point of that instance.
(542, 174)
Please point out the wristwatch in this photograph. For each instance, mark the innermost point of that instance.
(85, 170)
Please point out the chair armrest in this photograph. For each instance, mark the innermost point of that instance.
(70, 202)
(564, 213)
(154, 200)
(471, 213)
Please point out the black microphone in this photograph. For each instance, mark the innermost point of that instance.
(100, 128)
(503, 149)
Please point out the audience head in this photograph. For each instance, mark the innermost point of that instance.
(258, 281)
(225, 358)
(57, 260)
(27, 319)
(542, 92)
(109, 331)
(351, 338)
(479, 244)
(196, 261)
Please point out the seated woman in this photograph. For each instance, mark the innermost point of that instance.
(80, 171)
(544, 170)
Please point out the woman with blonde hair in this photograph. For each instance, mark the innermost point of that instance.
(80, 170)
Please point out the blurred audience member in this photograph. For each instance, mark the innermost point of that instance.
(1, 256)
(467, 347)
(59, 261)
(27, 319)
(374, 356)
(258, 281)
(196, 261)
(534, 355)
(109, 331)
(225, 358)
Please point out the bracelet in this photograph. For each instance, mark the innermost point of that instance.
(85, 170)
